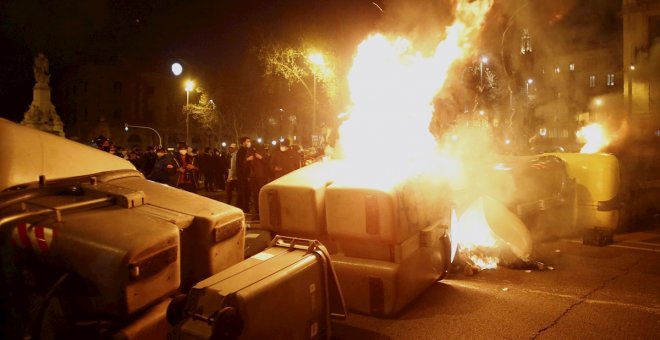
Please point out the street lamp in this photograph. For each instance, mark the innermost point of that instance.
(530, 81)
(160, 140)
(281, 120)
(482, 61)
(318, 61)
(630, 89)
(188, 87)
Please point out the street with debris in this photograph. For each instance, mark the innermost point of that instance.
(587, 292)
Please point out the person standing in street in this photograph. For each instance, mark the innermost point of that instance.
(218, 169)
(186, 168)
(150, 159)
(284, 160)
(259, 173)
(206, 168)
(243, 174)
(231, 176)
(164, 168)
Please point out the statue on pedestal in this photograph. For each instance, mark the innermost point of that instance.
(41, 115)
(41, 74)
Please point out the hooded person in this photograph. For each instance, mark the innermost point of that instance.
(164, 168)
(284, 160)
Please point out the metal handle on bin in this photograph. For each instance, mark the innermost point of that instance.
(336, 311)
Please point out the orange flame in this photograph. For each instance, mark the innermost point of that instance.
(594, 137)
(471, 232)
(392, 87)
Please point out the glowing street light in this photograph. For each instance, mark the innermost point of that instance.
(224, 144)
(482, 61)
(188, 87)
(259, 140)
(630, 89)
(530, 81)
(318, 61)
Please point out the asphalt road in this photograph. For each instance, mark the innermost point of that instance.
(610, 292)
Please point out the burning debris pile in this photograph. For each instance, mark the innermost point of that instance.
(488, 234)
(392, 86)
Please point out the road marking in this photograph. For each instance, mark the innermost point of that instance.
(653, 309)
(628, 247)
(637, 248)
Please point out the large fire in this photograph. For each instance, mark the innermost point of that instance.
(473, 232)
(594, 137)
(392, 88)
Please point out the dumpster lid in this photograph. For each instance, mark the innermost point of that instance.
(29, 153)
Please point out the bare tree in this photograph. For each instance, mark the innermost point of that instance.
(293, 65)
(204, 111)
(508, 72)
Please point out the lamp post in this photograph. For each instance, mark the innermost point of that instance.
(317, 61)
(529, 82)
(630, 90)
(482, 61)
(160, 140)
(281, 121)
(189, 87)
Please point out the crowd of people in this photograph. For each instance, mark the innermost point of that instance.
(241, 170)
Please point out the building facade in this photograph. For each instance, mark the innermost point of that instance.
(100, 98)
(641, 64)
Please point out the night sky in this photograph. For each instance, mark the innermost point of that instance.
(220, 35)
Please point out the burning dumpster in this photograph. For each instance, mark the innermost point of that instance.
(597, 180)
(294, 205)
(389, 239)
(540, 191)
(96, 247)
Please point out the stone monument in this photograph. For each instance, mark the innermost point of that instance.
(41, 115)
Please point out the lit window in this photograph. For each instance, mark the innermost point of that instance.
(610, 79)
(525, 42)
(571, 67)
(592, 81)
(543, 132)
